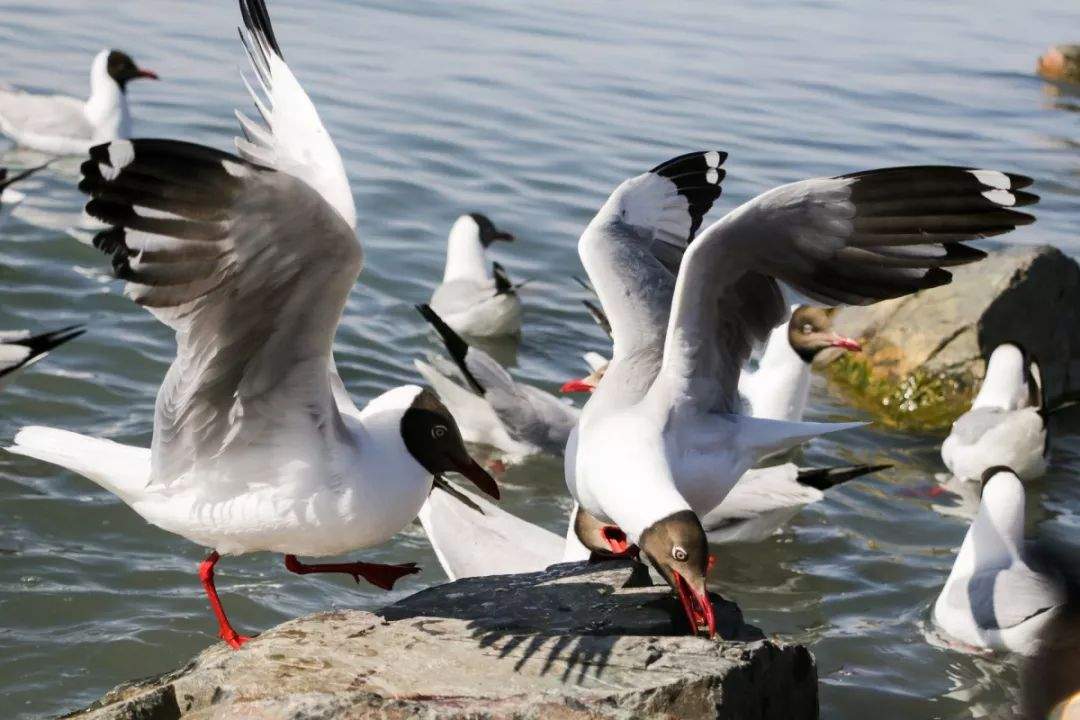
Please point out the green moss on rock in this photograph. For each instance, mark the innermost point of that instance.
(920, 401)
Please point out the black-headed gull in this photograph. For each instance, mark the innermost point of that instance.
(62, 125)
(780, 386)
(473, 299)
(9, 197)
(493, 409)
(992, 598)
(662, 433)
(1006, 424)
(19, 349)
(250, 259)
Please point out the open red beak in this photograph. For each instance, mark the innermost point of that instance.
(148, 74)
(616, 540)
(840, 341)
(697, 606)
(477, 475)
(576, 386)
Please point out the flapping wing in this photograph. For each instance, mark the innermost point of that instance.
(853, 239)
(632, 249)
(293, 139)
(251, 267)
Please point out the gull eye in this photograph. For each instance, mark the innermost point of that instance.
(438, 432)
(807, 328)
(679, 553)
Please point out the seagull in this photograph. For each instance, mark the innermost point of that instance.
(19, 349)
(1006, 424)
(493, 409)
(780, 387)
(477, 538)
(662, 434)
(473, 300)
(9, 197)
(250, 259)
(992, 598)
(61, 125)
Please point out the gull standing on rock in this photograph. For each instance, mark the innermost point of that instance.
(472, 299)
(62, 125)
(662, 434)
(256, 445)
(992, 598)
(1006, 424)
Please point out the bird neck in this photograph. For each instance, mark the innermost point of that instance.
(465, 259)
(107, 108)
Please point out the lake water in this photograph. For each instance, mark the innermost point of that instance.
(531, 112)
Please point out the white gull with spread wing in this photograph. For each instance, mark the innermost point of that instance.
(250, 259)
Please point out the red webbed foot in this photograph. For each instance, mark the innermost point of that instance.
(383, 576)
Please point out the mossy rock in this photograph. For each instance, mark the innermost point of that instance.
(919, 401)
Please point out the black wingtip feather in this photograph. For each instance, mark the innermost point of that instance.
(697, 176)
(455, 345)
(825, 478)
(257, 21)
(503, 284)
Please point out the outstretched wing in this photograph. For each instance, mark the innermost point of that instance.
(853, 239)
(293, 139)
(249, 260)
(632, 249)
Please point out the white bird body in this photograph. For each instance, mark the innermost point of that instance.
(992, 598)
(293, 510)
(1005, 425)
(469, 298)
(61, 125)
(492, 542)
(779, 388)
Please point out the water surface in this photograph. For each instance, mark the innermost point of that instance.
(532, 113)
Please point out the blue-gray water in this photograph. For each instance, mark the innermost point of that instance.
(531, 112)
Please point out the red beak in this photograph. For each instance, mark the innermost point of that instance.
(576, 386)
(148, 74)
(697, 606)
(478, 475)
(616, 540)
(840, 341)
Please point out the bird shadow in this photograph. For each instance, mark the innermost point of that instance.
(569, 617)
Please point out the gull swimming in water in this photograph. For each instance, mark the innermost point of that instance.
(473, 299)
(62, 125)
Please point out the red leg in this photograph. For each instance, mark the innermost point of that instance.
(206, 575)
(383, 576)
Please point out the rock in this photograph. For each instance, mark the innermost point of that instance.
(1060, 62)
(923, 355)
(574, 642)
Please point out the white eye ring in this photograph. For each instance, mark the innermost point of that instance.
(438, 431)
(807, 328)
(678, 553)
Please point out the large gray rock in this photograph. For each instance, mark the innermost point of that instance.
(1028, 295)
(574, 641)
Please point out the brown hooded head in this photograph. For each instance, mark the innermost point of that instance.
(432, 437)
(677, 547)
(810, 331)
